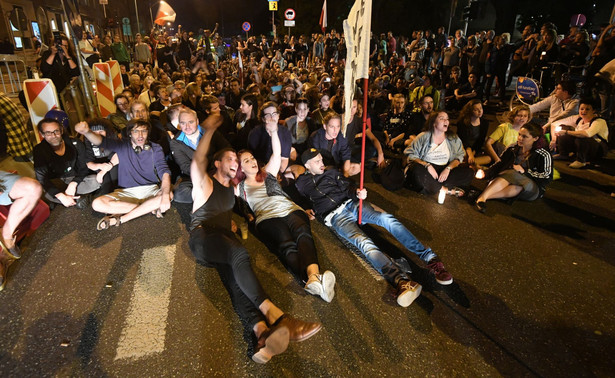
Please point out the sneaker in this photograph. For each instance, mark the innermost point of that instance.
(314, 287)
(407, 292)
(327, 280)
(577, 164)
(442, 276)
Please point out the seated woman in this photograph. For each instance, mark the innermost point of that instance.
(246, 119)
(587, 135)
(279, 220)
(472, 129)
(354, 136)
(524, 171)
(434, 158)
(507, 133)
(301, 126)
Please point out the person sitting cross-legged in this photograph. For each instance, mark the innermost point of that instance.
(141, 168)
(335, 201)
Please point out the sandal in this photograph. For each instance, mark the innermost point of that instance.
(105, 222)
(457, 192)
(14, 251)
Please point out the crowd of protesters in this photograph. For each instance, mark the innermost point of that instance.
(192, 99)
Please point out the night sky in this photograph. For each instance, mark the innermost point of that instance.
(395, 15)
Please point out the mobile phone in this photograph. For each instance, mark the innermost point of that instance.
(327, 79)
(276, 88)
(56, 38)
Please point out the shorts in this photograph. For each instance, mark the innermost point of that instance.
(530, 191)
(7, 181)
(136, 194)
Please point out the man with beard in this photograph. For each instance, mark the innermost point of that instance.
(60, 166)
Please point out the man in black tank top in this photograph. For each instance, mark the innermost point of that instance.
(214, 244)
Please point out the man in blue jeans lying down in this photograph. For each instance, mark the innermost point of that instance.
(335, 201)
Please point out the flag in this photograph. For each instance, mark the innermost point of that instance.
(323, 17)
(165, 14)
(357, 31)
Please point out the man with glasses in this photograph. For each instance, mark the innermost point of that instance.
(60, 165)
(259, 140)
(143, 176)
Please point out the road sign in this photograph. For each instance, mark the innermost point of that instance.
(289, 14)
(273, 5)
(289, 23)
(126, 21)
(104, 2)
(246, 26)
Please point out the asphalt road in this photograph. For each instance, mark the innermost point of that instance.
(533, 295)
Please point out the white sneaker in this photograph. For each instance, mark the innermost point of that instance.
(577, 164)
(327, 280)
(315, 287)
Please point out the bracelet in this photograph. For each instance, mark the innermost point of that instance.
(449, 168)
(427, 165)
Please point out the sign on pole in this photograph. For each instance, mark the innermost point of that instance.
(289, 23)
(273, 6)
(289, 14)
(246, 26)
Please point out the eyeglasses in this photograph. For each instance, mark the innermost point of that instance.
(270, 115)
(57, 132)
(139, 131)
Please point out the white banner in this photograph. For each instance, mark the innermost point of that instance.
(357, 29)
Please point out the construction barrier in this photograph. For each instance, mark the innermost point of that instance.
(116, 76)
(104, 88)
(41, 97)
(16, 72)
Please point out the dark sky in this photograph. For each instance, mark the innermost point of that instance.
(399, 16)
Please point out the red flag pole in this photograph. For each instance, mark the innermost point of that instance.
(365, 84)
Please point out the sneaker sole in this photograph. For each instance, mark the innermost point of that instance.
(275, 344)
(447, 282)
(328, 286)
(407, 297)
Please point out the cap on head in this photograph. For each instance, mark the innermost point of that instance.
(309, 154)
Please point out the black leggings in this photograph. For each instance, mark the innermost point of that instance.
(221, 249)
(587, 149)
(291, 239)
(422, 181)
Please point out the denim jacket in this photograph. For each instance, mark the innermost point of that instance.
(420, 147)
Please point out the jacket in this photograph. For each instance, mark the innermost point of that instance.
(420, 147)
(327, 191)
(539, 166)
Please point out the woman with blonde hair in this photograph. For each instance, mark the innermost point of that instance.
(506, 134)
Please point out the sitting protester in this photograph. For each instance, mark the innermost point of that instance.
(585, 135)
(524, 171)
(60, 166)
(506, 134)
(435, 157)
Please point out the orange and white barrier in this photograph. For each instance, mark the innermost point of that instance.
(41, 97)
(104, 88)
(116, 76)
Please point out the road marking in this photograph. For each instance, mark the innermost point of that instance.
(145, 327)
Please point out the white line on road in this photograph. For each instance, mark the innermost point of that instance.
(145, 327)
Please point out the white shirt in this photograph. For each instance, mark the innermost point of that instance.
(438, 154)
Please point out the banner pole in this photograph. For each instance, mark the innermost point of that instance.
(362, 175)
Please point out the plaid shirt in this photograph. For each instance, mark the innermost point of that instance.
(18, 142)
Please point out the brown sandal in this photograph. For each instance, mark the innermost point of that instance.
(105, 222)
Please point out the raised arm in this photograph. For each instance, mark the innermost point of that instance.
(273, 166)
(198, 167)
(84, 129)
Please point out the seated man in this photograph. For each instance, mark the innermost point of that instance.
(60, 166)
(587, 135)
(333, 146)
(259, 139)
(22, 193)
(561, 104)
(395, 124)
(421, 91)
(183, 147)
(141, 169)
(418, 119)
(163, 101)
(214, 244)
(468, 91)
(336, 202)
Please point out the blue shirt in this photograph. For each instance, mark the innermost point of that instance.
(184, 138)
(137, 169)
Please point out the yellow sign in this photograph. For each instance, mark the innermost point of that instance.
(273, 5)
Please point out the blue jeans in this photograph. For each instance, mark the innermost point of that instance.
(345, 224)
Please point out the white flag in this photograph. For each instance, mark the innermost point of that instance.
(165, 14)
(357, 31)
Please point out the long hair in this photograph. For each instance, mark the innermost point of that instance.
(519, 108)
(430, 124)
(466, 112)
(240, 176)
(536, 131)
(251, 100)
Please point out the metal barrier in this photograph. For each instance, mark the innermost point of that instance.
(15, 76)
